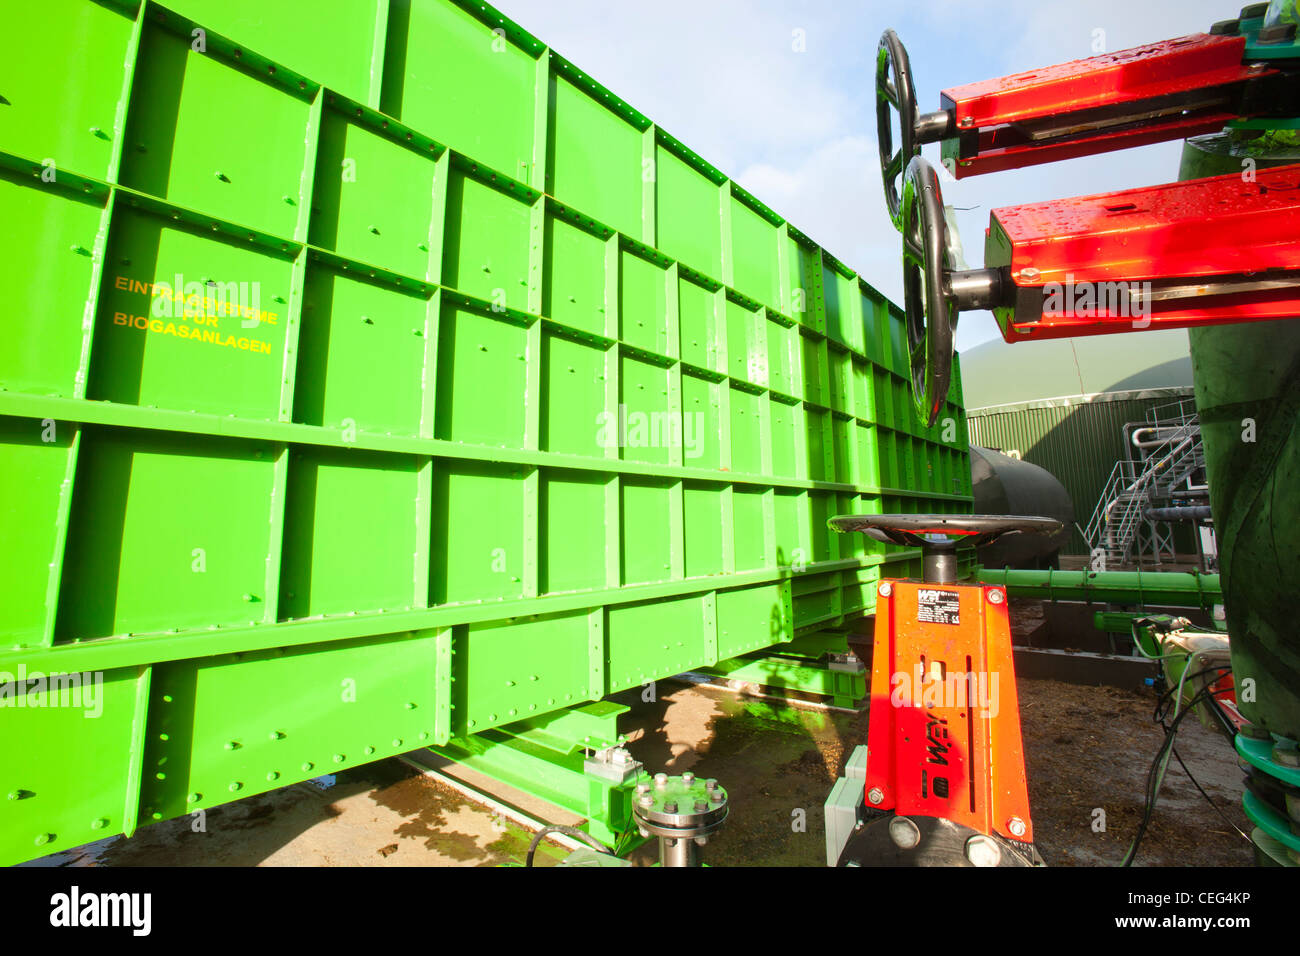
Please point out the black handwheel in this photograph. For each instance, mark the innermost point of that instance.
(938, 535)
(978, 530)
(927, 295)
(895, 97)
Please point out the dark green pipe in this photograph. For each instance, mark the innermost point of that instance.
(1248, 397)
(1159, 589)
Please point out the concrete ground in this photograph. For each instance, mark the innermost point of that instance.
(1088, 749)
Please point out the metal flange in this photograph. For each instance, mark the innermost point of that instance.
(682, 811)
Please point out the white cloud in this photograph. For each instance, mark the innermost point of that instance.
(722, 77)
(837, 208)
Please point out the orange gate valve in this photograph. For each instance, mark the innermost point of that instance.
(945, 773)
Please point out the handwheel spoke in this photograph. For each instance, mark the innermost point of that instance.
(912, 252)
(895, 165)
(890, 93)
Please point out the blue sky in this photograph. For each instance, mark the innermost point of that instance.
(798, 128)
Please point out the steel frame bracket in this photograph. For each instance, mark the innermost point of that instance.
(1163, 91)
(1200, 252)
(549, 757)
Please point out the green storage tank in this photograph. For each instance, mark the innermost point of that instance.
(374, 378)
(1248, 397)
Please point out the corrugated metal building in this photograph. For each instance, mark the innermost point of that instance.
(1019, 402)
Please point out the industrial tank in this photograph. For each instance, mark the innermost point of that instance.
(1248, 398)
(1008, 486)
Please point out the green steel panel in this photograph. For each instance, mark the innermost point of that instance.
(645, 403)
(815, 362)
(862, 392)
(595, 159)
(704, 543)
(574, 287)
(63, 83)
(180, 98)
(316, 712)
(698, 320)
(651, 641)
(478, 531)
(647, 551)
(701, 422)
(387, 353)
(842, 434)
(573, 554)
(643, 291)
(746, 360)
(434, 47)
(779, 359)
(167, 534)
(189, 321)
(750, 526)
(835, 298)
(896, 356)
(746, 428)
(573, 404)
(473, 348)
(804, 278)
(754, 246)
(687, 213)
(36, 461)
(789, 542)
(72, 758)
(341, 50)
(821, 509)
(784, 418)
(487, 244)
(549, 666)
(873, 309)
(351, 327)
(350, 534)
(358, 171)
(817, 423)
(752, 618)
(46, 358)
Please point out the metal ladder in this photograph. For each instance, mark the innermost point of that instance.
(1169, 453)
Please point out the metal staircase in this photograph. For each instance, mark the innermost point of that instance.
(1169, 455)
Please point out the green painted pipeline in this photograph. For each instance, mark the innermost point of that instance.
(1158, 589)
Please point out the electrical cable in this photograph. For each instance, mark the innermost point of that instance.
(1208, 799)
(1225, 724)
(1165, 699)
(574, 832)
(1155, 776)
(1157, 637)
